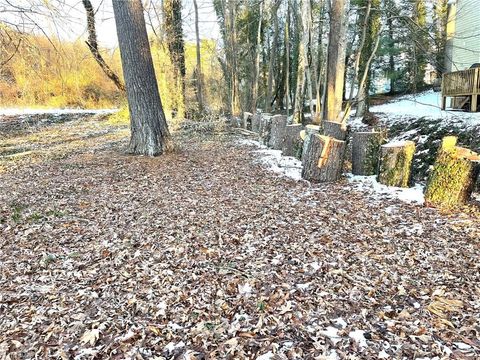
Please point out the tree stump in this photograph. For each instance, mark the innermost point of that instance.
(277, 131)
(335, 129)
(256, 120)
(247, 120)
(265, 129)
(454, 175)
(323, 159)
(292, 142)
(365, 150)
(306, 134)
(395, 163)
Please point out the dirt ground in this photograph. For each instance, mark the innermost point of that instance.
(204, 254)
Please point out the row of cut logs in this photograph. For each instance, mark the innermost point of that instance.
(322, 150)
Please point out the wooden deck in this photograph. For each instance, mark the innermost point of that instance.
(463, 86)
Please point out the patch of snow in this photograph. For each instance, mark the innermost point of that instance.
(340, 322)
(395, 144)
(359, 337)
(274, 160)
(383, 355)
(27, 111)
(266, 356)
(303, 286)
(332, 333)
(245, 289)
(425, 104)
(370, 184)
(462, 346)
(171, 346)
(315, 265)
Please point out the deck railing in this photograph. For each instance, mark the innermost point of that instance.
(461, 83)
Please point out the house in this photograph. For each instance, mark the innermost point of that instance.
(461, 82)
(463, 34)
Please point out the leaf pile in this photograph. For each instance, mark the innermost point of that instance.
(203, 254)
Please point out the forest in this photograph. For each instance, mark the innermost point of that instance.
(239, 179)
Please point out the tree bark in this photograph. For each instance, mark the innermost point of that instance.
(93, 46)
(265, 129)
(292, 142)
(365, 152)
(395, 163)
(335, 62)
(277, 131)
(247, 120)
(198, 70)
(309, 131)
(149, 130)
(172, 10)
(273, 56)
(323, 160)
(335, 129)
(256, 120)
(258, 50)
(454, 175)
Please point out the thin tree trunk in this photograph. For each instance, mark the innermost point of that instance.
(149, 130)
(273, 55)
(287, 58)
(198, 70)
(93, 46)
(235, 96)
(257, 60)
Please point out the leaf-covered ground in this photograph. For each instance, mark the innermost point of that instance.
(204, 254)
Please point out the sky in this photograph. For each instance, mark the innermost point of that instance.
(65, 19)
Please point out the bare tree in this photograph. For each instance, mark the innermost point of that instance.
(92, 44)
(149, 130)
(198, 70)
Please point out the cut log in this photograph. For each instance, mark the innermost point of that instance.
(277, 131)
(306, 134)
(256, 120)
(247, 120)
(292, 142)
(323, 159)
(365, 150)
(335, 129)
(264, 130)
(395, 163)
(454, 175)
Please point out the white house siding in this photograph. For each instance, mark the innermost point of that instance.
(463, 46)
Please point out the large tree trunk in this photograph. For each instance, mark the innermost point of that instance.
(273, 56)
(149, 130)
(323, 160)
(198, 70)
(335, 62)
(365, 152)
(395, 163)
(454, 175)
(93, 46)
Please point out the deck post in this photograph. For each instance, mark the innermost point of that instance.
(444, 102)
(473, 104)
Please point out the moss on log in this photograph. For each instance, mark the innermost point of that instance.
(277, 131)
(365, 152)
(323, 159)
(292, 142)
(395, 163)
(453, 177)
(335, 129)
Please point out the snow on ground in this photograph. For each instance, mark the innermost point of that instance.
(425, 104)
(29, 111)
(370, 185)
(274, 160)
(292, 168)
